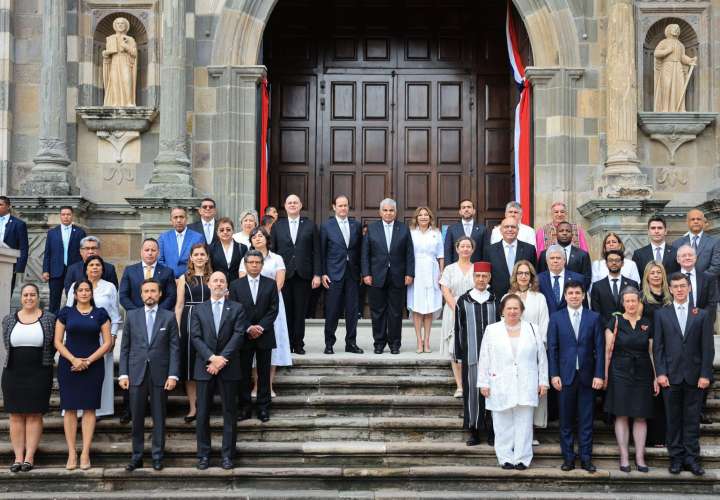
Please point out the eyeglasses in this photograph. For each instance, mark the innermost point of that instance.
(524, 273)
(225, 230)
(207, 207)
(89, 248)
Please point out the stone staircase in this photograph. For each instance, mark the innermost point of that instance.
(351, 426)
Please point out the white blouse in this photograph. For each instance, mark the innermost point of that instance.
(27, 335)
(105, 295)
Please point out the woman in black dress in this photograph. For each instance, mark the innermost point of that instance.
(81, 369)
(27, 374)
(630, 377)
(192, 289)
(225, 252)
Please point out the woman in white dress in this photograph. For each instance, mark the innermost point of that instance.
(248, 222)
(274, 268)
(524, 284)
(512, 375)
(457, 278)
(599, 267)
(105, 295)
(423, 296)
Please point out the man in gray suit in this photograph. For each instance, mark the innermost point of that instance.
(707, 248)
(149, 366)
(217, 329)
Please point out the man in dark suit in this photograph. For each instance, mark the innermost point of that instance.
(467, 226)
(176, 243)
(259, 297)
(576, 361)
(62, 249)
(297, 241)
(576, 259)
(340, 244)
(149, 366)
(89, 246)
(505, 253)
(707, 248)
(207, 223)
(658, 250)
(217, 332)
(605, 294)
(683, 350)
(388, 266)
(553, 281)
(13, 232)
(148, 267)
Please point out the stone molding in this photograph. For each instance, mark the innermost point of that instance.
(118, 126)
(673, 130)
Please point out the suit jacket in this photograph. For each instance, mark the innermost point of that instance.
(77, 272)
(219, 263)
(588, 349)
(226, 342)
(302, 257)
(53, 262)
(161, 354)
(500, 283)
(706, 295)
(381, 264)
(643, 256)
(545, 283)
(602, 300)
(169, 251)
(131, 283)
(199, 228)
(16, 237)
(708, 253)
(336, 257)
(479, 234)
(683, 358)
(263, 312)
(579, 262)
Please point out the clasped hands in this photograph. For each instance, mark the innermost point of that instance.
(255, 331)
(216, 364)
(79, 364)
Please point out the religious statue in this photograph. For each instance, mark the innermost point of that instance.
(120, 66)
(673, 70)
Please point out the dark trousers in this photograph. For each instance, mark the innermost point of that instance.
(576, 407)
(386, 305)
(296, 295)
(228, 390)
(341, 296)
(682, 409)
(56, 286)
(158, 409)
(262, 357)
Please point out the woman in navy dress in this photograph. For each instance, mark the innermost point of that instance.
(81, 370)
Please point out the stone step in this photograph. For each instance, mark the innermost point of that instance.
(338, 384)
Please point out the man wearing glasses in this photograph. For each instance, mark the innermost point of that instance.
(207, 223)
(89, 247)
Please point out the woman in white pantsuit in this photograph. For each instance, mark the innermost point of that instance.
(512, 374)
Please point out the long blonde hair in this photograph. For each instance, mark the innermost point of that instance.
(534, 285)
(646, 290)
(414, 221)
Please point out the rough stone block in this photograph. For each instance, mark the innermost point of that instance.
(589, 105)
(28, 51)
(27, 103)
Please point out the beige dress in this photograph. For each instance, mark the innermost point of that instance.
(458, 283)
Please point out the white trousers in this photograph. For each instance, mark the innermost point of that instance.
(513, 435)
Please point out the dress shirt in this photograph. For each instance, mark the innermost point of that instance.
(655, 249)
(479, 296)
(681, 311)
(150, 316)
(508, 254)
(692, 237)
(344, 229)
(561, 282)
(567, 251)
(209, 229)
(468, 226)
(217, 306)
(152, 269)
(254, 285)
(526, 234)
(388, 233)
(294, 225)
(3, 222)
(693, 285)
(228, 252)
(180, 237)
(154, 309)
(65, 232)
(575, 319)
(615, 282)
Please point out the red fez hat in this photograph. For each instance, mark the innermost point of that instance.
(482, 267)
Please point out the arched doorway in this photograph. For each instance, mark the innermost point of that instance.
(407, 99)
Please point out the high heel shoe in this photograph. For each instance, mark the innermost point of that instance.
(642, 468)
(624, 468)
(189, 418)
(16, 467)
(26, 466)
(85, 466)
(71, 465)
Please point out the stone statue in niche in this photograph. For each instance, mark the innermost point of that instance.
(120, 66)
(673, 70)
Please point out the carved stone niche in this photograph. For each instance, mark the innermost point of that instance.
(118, 126)
(673, 130)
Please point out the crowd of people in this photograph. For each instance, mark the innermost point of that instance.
(533, 329)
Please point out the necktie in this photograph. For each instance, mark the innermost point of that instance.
(217, 314)
(66, 243)
(658, 254)
(388, 235)
(293, 230)
(556, 289)
(510, 259)
(208, 232)
(567, 254)
(576, 327)
(682, 318)
(180, 237)
(691, 297)
(695, 242)
(254, 289)
(615, 291)
(468, 229)
(150, 323)
(148, 272)
(345, 232)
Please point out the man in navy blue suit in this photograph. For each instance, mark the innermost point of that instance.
(135, 274)
(552, 282)
(175, 244)
(13, 232)
(467, 226)
(89, 247)
(340, 243)
(576, 361)
(62, 249)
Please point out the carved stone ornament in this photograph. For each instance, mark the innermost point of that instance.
(118, 126)
(673, 130)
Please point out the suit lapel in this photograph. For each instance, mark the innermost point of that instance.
(338, 233)
(395, 231)
(571, 330)
(676, 321)
(156, 327)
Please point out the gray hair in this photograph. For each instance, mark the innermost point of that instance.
(246, 213)
(513, 204)
(89, 238)
(630, 290)
(553, 250)
(682, 247)
(388, 201)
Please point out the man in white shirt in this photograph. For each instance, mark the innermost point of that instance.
(659, 250)
(526, 234)
(707, 248)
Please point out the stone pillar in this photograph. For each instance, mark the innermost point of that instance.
(49, 176)
(622, 176)
(6, 78)
(172, 175)
(235, 133)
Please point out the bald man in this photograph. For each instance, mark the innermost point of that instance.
(504, 254)
(707, 248)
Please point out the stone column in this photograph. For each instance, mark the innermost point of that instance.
(622, 176)
(172, 175)
(49, 176)
(6, 77)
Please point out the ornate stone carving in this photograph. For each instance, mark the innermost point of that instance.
(673, 70)
(119, 175)
(118, 126)
(670, 177)
(118, 139)
(673, 130)
(120, 66)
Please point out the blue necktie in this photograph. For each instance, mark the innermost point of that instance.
(150, 322)
(66, 243)
(556, 289)
(217, 314)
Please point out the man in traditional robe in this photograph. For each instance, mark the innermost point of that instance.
(475, 310)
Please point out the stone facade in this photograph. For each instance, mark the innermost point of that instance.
(199, 66)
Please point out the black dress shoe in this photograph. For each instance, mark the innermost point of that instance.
(245, 415)
(675, 468)
(189, 418)
(134, 464)
(227, 463)
(328, 350)
(26, 467)
(491, 439)
(588, 466)
(125, 418)
(520, 466)
(353, 349)
(16, 467)
(299, 350)
(157, 465)
(263, 415)
(395, 351)
(203, 463)
(508, 466)
(705, 419)
(624, 468)
(696, 469)
(474, 439)
(378, 351)
(567, 466)
(642, 468)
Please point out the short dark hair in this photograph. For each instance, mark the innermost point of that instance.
(573, 284)
(657, 218)
(253, 253)
(466, 199)
(6, 200)
(67, 207)
(678, 276)
(152, 240)
(267, 209)
(563, 223)
(266, 219)
(178, 208)
(511, 296)
(225, 220)
(151, 280)
(208, 199)
(32, 285)
(340, 196)
(260, 229)
(92, 258)
(616, 253)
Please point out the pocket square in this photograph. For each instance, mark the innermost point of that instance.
(161, 329)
